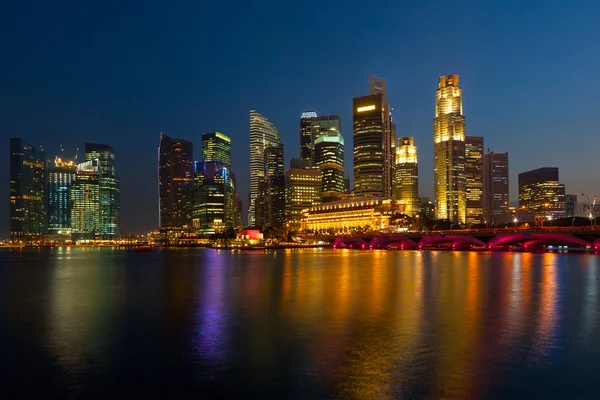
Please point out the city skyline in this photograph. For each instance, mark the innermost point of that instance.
(513, 92)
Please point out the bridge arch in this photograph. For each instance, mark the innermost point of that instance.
(350, 242)
(530, 239)
(384, 242)
(456, 241)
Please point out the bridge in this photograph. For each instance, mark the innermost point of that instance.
(586, 238)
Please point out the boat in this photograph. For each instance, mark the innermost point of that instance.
(140, 249)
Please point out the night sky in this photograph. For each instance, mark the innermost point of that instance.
(121, 72)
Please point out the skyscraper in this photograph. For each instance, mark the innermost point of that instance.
(570, 205)
(379, 86)
(474, 179)
(175, 176)
(321, 126)
(541, 194)
(306, 134)
(27, 184)
(302, 190)
(329, 158)
(85, 194)
(61, 174)
(262, 135)
(406, 190)
(496, 188)
(368, 137)
(271, 198)
(449, 183)
(110, 190)
(212, 193)
(216, 147)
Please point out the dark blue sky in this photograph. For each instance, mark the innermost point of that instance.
(121, 72)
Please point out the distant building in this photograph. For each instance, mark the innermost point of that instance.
(270, 204)
(474, 179)
(570, 205)
(110, 190)
(216, 147)
(85, 193)
(27, 191)
(263, 134)
(212, 197)
(302, 191)
(306, 147)
(329, 158)
(449, 183)
(320, 126)
(426, 208)
(496, 188)
(541, 194)
(406, 190)
(175, 176)
(61, 174)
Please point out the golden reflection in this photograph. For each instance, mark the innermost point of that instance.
(547, 314)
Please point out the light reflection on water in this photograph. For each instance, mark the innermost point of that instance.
(302, 323)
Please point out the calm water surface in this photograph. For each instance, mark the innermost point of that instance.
(89, 323)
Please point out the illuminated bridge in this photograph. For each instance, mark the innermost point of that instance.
(509, 239)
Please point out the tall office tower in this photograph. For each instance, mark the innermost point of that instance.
(262, 135)
(85, 194)
(238, 220)
(570, 205)
(449, 183)
(302, 191)
(27, 184)
(212, 197)
(406, 190)
(175, 176)
(474, 189)
(540, 194)
(216, 147)
(321, 126)
(496, 188)
(329, 158)
(306, 134)
(61, 174)
(379, 86)
(272, 195)
(369, 156)
(110, 190)
(426, 208)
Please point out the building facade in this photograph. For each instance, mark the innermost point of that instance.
(175, 176)
(571, 205)
(321, 126)
(216, 147)
(368, 137)
(110, 189)
(406, 189)
(474, 188)
(541, 194)
(212, 197)
(270, 203)
(85, 195)
(379, 86)
(449, 181)
(306, 135)
(329, 158)
(61, 174)
(263, 134)
(496, 189)
(27, 192)
(302, 191)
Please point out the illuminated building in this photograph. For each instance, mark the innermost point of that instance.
(570, 205)
(110, 190)
(426, 208)
(27, 184)
(262, 135)
(347, 215)
(216, 147)
(369, 161)
(175, 176)
(237, 214)
(496, 188)
(212, 197)
(379, 86)
(306, 135)
(270, 204)
(449, 183)
(322, 126)
(61, 174)
(302, 191)
(329, 158)
(541, 194)
(474, 179)
(406, 188)
(85, 208)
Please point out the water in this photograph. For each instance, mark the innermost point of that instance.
(90, 323)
